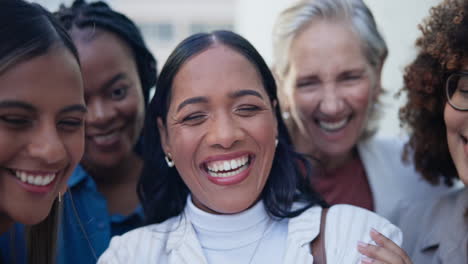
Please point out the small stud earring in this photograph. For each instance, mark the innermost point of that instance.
(169, 161)
(59, 197)
(276, 143)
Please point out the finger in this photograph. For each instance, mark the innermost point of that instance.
(383, 241)
(379, 253)
(371, 261)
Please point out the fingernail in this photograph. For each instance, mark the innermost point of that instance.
(366, 261)
(374, 231)
(362, 245)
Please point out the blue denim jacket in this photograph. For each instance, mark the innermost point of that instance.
(86, 227)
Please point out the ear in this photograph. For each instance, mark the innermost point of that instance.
(164, 136)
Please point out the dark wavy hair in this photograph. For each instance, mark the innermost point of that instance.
(82, 15)
(442, 47)
(29, 31)
(161, 189)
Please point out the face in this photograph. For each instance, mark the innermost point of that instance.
(331, 88)
(220, 130)
(456, 123)
(114, 98)
(41, 133)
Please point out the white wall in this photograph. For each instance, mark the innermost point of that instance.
(397, 20)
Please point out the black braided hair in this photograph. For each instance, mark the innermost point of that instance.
(98, 14)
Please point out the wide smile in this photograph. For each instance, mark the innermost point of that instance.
(333, 126)
(35, 181)
(105, 139)
(228, 171)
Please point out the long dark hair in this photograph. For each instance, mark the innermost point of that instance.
(28, 31)
(163, 193)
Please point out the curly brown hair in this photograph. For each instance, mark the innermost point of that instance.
(442, 48)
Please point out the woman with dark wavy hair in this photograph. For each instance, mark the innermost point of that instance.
(436, 85)
(222, 184)
(42, 112)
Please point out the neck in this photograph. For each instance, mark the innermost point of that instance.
(126, 172)
(327, 162)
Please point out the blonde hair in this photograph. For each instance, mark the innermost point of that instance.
(299, 16)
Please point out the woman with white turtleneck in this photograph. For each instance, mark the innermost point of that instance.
(221, 183)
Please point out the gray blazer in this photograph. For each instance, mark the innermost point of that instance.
(437, 232)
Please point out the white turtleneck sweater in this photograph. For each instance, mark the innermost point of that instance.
(251, 236)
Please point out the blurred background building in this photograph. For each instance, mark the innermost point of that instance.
(165, 23)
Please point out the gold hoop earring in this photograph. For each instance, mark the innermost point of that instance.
(169, 161)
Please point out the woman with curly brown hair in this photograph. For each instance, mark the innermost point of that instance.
(436, 84)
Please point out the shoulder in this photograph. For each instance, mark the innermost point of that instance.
(346, 225)
(142, 245)
(422, 220)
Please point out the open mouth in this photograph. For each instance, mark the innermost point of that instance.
(228, 168)
(333, 126)
(34, 179)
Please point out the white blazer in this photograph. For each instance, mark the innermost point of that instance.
(174, 241)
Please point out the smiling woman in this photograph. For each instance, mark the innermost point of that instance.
(118, 73)
(41, 137)
(222, 184)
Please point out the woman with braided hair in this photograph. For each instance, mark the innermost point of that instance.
(118, 73)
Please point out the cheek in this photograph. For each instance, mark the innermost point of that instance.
(75, 146)
(306, 103)
(360, 98)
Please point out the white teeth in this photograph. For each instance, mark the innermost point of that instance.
(333, 126)
(227, 165)
(37, 180)
(103, 139)
(228, 168)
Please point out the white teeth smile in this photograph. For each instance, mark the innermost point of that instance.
(34, 179)
(107, 138)
(333, 126)
(227, 168)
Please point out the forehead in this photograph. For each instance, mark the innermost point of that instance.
(32, 81)
(102, 54)
(215, 71)
(324, 43)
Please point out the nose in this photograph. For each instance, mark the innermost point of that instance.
(47, 146)
(224, 132)
(99, 113)
(332, 102)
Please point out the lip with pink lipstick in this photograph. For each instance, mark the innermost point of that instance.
(228, 169)
(35, 181)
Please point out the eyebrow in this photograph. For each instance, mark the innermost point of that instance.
(203, 99)
(74, 108)
(31, 108)
(114, 79)
(17, 104)
(193, 100)
(242, 93)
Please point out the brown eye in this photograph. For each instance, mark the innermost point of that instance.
(119, 93)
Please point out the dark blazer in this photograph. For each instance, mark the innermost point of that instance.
(437, 231)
